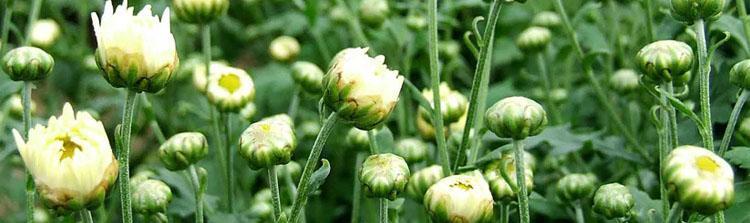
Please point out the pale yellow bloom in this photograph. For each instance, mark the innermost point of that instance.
(229, 88)
(44, 32)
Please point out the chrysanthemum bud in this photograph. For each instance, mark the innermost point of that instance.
(70, 159)
(44, 33)
(516, 117)
(692, 10)
(743, 130)
(411, 149)
(501, 190)
(449, 48)
(664, 59)
(248, 112)
(308, 75)
(268, 142)
(27, 64)
(459, 198)
(151, 196)
(41, 215)
(360, 88)
(452, 104)
(182, 150)
(416, 21)
(546, 19)
(558, 94)
(200, 77)
(284, 48)
(576, 186)
(740, 74)
(534, 39)
(624, 80)
(309, 129)
(261, 204)
(357, 139)
(683, 79)
(292, 168)
(384, 175)
(135, 51)
(339, 13)
(229, 88)
(427, 131)
(613, 201)
(15, 104)
(199, 11)
(421, 180)
(699, 179)
(373, 12)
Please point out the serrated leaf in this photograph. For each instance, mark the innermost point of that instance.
(646, 208)
(740, 156)
(562, 139)
(319, 176)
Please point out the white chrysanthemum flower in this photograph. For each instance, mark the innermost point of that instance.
(460, 198)
(229, 88)
(284, 48)
(135, 51)
(44, 32)
(361, 88)
(70, 159)
(268, 142)
(200, 77)
(699, 179)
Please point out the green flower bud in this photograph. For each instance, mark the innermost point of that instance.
(740, 74)
(27, 64)
(292, 168)
(501, 190)
(516, 117)
(624, 80)
(15, 103)
(373, 12)
(411, 149)
(690, 11)
(309, 76)
(361, 89)
(339, 14)
(384, 175)
(357, 139)
(534, 39)
(151, 196)
(427, 131)
(269, 142)
(41, 215)
(284, 48)
(613, 201)
(453, 104)
(421, 180)
(699, 179)
(416, 21)
(576, 186)
(44, 33)
(558, 94)
(664, 59)
(182, 150)
(261, 204)
(743, 131)
(546, 19)
(459, 198)
(248, 112)
(683, 79)
(310, 129)
(199, 11)
(449, 49)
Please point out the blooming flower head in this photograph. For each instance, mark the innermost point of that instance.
(460, 198)
(268, 142)
(135, 51)
(70, 159)
(229, 88)
(361, 88)
(699, 179)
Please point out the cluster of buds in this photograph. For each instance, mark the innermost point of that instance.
(308, 76)
(182, 150)
(516, 118)
(27, 64)
(70, 159)
(199, 11)
(360, 88)
(284, 48)
(229, 89)
(453, 104)
(384, 175)
(502, 190)
(663, 60)
(460, 198)
(699, 179)
(422, 180)
(427, 131)
(576, 186)
(613, 201)
(268, 142)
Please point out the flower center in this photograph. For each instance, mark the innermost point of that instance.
(265, 127)
(463, 186)
(230, 82)
(705, 163)
(69, 148)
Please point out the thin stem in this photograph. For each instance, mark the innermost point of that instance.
(479, 84)
(733, 121)
(294, 104)
(437, 116)
(273, 182)
(30, 191)
(230, 161)
(86, 216)
(7, 13)
(372, 137)
(523, 195)
(579, 212)
(650, 19)
(704, 70)
(551, 107)
(673, 133)
(33, 16)
(354, 25)
(199, 190)
(504, 212)
(357, 190)
(665, 145)
(124, 155)
(675, 213)
(310, 164)
(742, 12)
(600, 93)
(383, 210)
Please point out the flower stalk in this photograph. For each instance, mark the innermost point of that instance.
(26, 98)
(437, 117)
(383, 210)
(357, 190)
(200, 188)
(123, 157)
(733, 118)
(229, 168)
(704, 70)
(273, 181)
(523, 195)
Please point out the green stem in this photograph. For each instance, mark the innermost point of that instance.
(673, 133)
(551, 107)
(437, 116)
(733, 118)
(719, 217)
(124, 155)
(312, 161)
(229, 160)
(273, 182)
(294, 104)
(704, 70)
(199, 190)
(504, 212)
(523, 195)
(742, 12)
(372, 137)
(579, 212)
(600, 93)
(7, 14)
(86, 216)
(26, 101)
(675, 213)
(354, 25)
(33, 16)
(206, 39)
(479, 84)
(665, 145)
(650, 19)
(383, 210)
(357, 190)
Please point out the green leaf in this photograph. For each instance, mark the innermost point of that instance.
(319, 176)
(494, 155)
(728, 23)
(740, 156)
(738, 211)
(562, 139)
(385, 140)
(645, 208)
